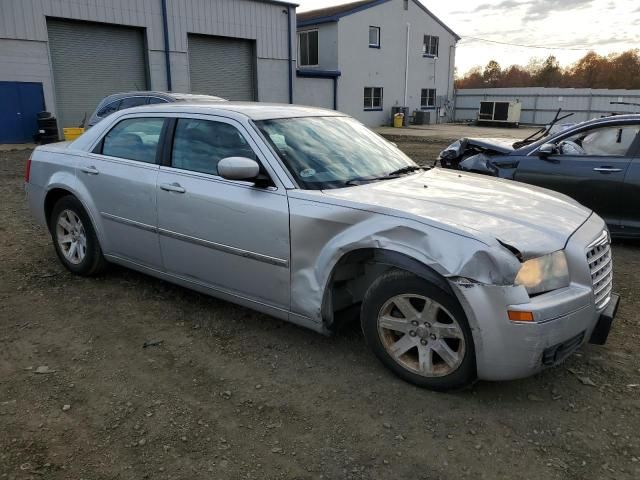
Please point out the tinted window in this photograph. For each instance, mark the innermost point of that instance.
(153, 100)
(132, 102)
(109, 109)
(134, 139)
(607, 141)
(199, 145)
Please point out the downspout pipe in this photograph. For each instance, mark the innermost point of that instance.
(289, 42)
(406, 68)
(167, 58)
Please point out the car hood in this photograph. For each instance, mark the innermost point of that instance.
(502, 145)
(533, 220)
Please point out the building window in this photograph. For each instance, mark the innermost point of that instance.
(406, 4)
(372, 98)
(374, 37)
(428, 98)
(430, 46)
(308, 48)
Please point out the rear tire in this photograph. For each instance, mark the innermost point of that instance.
(419, 331)
(75, 239)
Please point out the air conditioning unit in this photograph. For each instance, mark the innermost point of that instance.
(503, 113)
(420, 117)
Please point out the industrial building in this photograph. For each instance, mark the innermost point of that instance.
(64, 56)
(367, 57)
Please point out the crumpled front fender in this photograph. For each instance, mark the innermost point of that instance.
(322, 234)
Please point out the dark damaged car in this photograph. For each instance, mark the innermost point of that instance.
(596, 162)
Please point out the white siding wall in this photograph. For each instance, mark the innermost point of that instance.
(362, 66)
(315, 92)
(23, 28)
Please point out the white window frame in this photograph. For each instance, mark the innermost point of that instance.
(378, 30)
(307, 32)
(433, 43)
(371, 107)
(428, 105)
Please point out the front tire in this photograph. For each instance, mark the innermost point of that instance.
(74, 238)
(419, 331)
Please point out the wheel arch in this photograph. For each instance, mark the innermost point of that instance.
(356, 270)
(57, 191)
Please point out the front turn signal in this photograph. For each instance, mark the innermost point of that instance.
(519, 316)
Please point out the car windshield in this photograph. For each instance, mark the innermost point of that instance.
(333, 152)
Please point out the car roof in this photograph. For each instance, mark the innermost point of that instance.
(252, 110)
(186, 97)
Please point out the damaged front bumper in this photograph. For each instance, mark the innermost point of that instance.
(563, 320)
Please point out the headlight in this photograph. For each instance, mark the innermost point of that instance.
(545, 273)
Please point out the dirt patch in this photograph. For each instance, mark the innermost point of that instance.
(230, 393)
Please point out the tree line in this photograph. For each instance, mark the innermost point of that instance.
(618, 70)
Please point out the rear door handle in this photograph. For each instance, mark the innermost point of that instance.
(90, 170)
(172, 187)
(607, 169)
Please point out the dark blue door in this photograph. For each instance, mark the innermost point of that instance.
(20, 103)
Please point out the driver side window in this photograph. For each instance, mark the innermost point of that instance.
(602, 142)
(199, 145)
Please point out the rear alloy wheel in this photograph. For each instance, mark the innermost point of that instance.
(419, 331)
(71, 237)
(74, 238)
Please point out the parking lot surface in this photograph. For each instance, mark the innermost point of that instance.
(223, 392)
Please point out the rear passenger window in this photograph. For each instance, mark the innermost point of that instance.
(134, 139)
(153, 100)
(199, 145)
(108, 109)
(132, 102)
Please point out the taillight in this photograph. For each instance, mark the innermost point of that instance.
(27, 172)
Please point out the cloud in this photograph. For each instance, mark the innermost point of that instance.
(505, 4)
(541, 9)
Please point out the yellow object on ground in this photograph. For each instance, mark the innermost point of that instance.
(72, 133)
(398, 120)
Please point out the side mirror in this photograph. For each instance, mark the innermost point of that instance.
(238, 168)
(546, 149)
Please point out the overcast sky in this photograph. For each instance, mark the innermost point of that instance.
(602, 25)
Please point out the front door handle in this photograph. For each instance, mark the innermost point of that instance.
(607, 169)
(90, 170)
(172, 187)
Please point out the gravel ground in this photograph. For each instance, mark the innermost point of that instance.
(229, 393)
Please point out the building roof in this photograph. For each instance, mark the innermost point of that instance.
(335, 13)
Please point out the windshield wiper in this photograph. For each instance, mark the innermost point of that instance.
(389, 176)
(407, 169)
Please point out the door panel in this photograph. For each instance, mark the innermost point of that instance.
(122, 182)
(576, 177)
(230, 236)
(630, 218)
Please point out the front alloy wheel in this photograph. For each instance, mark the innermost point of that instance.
(421, 335)
(419, 331)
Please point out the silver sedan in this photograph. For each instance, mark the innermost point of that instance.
(305, 214)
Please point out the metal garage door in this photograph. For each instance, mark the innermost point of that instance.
(222, 66)
(91, 61)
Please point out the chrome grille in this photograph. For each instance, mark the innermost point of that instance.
(601, 267)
